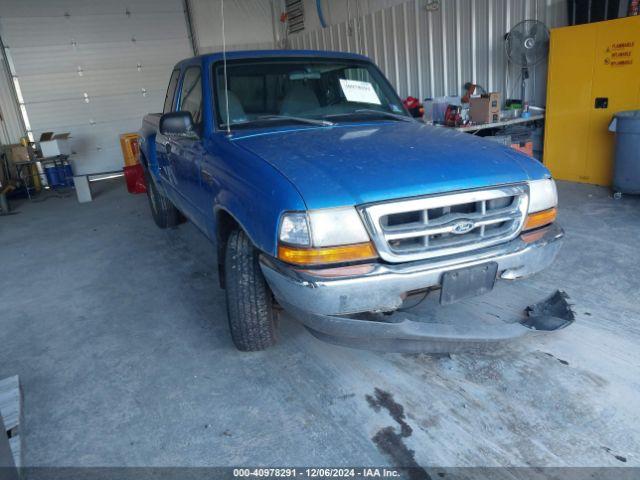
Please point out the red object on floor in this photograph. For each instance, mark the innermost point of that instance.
(134, 176)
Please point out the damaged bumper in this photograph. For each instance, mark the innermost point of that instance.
(322, 299)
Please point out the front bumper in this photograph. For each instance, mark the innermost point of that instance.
(322, 298)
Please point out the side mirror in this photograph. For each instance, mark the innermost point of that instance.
(177, 123)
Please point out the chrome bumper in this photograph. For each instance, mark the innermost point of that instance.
(320, 301)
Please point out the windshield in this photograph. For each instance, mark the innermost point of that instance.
(310, 90)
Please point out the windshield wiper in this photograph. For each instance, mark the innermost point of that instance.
(402, 118)
(311, 121)
(382, 113)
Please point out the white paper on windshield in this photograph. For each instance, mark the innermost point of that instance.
(359, 92)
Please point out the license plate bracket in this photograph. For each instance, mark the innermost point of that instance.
(467, 282)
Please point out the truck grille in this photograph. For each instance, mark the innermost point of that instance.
(440, 225)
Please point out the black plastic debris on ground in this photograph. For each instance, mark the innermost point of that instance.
(553, 313)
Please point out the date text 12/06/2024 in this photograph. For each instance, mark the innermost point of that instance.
(316, 473)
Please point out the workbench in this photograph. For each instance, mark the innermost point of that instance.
(57, 161)
(502, 123)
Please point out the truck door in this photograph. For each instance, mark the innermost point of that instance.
(187, 152)
(162, 142)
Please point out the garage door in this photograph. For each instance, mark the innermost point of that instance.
(93, 68)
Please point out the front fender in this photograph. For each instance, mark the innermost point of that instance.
(253, 193)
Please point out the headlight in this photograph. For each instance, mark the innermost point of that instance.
(336, 226)
(333, 235)
(542, 195)
(543, 202)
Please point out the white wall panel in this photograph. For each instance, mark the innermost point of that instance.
(96, 83)
(433, 53)
(65, 115)
(38, 31)
(59, 8)
(98, 56)
(97, 139)
(93, 68)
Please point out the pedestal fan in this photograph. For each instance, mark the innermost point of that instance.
(527, 44)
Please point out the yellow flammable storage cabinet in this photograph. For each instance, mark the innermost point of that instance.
(594, 72)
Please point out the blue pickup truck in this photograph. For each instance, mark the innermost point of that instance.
(325, 198)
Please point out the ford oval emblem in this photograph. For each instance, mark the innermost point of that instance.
(463, 226)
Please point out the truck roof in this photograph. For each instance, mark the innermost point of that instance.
(240, 54)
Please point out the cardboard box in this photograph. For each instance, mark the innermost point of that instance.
(18, 153)
(56, 145)
(485, 109)
(15, 153)
(494, 101)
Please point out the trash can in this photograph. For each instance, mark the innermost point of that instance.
(626, 173)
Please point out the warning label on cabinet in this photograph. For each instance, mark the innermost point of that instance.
(620, 54)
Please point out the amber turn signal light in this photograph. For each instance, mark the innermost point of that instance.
(326, 255)
(540, 219)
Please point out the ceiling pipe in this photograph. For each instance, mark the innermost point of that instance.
(323, 24)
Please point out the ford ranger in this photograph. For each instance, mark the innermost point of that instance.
(325, 198)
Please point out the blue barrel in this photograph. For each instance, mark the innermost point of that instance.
(65, 174)
(53, 177)
(68, 174)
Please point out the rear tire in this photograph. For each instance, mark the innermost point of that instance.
(164, 213)
(249, 301)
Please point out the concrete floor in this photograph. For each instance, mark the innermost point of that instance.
(118, 332)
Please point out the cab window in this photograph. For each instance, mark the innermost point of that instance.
(191, 95)
(171, 91)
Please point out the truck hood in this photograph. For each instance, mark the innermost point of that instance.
(355, 164)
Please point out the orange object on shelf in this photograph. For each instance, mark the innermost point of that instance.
(130, 149)
(524, 147)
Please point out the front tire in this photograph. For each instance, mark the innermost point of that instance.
(249, 301)
(163, 211)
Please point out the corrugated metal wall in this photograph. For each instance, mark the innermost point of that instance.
(93, 67)
(249, 24)
(11, 128)
(433, 53)
(336, 11)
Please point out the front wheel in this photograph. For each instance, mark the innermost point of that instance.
(249, 301)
